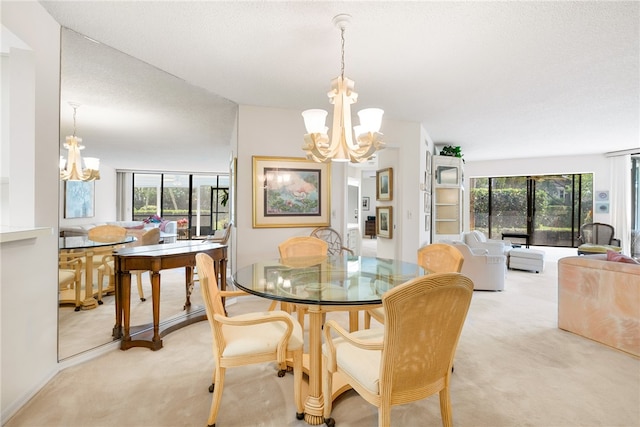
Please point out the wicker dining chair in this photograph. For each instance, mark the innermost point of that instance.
(412, 357)
(434, 258)
(70, 279)
(247, 339)
(301, 247)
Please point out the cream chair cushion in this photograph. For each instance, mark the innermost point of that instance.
(362, 365)
(258, 338)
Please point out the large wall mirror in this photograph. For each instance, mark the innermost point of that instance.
(134, 118)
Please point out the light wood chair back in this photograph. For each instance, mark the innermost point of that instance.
(440, 258)
(300, 251)
(107, 233)
(150, 237)
(303, 246)
(434, 258)
(414, 351)
(247, 339)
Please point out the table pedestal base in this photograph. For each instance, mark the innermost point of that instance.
(89, 304)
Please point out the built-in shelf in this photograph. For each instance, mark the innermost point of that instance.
(447, 198)
(11, 234)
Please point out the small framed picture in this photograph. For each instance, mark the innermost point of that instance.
(384, 184)
(602, 196)
(365, 203)
(384, 221)
(427, 203)
(602, 207)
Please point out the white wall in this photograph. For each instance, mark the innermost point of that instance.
(28, 294)
(278, 132)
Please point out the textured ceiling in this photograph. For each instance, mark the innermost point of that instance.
(501, 79)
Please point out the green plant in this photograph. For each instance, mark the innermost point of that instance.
(451, 151)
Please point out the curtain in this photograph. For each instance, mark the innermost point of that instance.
(124, 196)
(621, 199)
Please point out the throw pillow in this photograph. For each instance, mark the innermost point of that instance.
(618, 257)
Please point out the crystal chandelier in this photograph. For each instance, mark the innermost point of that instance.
(71, 169)
(342, 147)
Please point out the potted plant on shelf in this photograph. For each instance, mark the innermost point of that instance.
(452, 151)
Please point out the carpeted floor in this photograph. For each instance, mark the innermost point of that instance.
(514, 367)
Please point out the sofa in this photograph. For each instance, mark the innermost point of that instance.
(487, 271)
(475, 239)
(600, 300)
(168, 229)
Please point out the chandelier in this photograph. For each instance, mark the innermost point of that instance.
(341, 147)
(71, 169)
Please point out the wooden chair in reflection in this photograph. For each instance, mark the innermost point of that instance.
(222, 237)
(409, 359)
(150, 237)
(433, 258)
(70, 279)
(248, 338)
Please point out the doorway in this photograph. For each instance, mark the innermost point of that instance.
(548, 208)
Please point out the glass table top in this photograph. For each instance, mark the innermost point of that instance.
(336, 280)
(80, 242)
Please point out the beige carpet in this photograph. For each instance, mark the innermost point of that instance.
(513, 368)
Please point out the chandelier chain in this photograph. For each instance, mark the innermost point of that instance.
(342, 58)
(74, 121)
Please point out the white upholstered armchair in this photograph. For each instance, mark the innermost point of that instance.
(477, 240)
(487, 271)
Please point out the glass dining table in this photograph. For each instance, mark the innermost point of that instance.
(86, 248)
(322, 284)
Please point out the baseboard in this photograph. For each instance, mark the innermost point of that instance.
(13, 409)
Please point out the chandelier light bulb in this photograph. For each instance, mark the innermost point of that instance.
(314, 120)
(371, 119)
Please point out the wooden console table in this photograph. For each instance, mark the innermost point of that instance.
(155, 258)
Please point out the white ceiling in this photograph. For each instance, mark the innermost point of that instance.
(504, 79)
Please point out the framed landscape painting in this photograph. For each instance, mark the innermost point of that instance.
(290, 192)
(384, 221)
(384, 184)
(79, 199)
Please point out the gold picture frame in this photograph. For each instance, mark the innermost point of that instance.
(384, 184)
(290, 192)
(384, 221)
